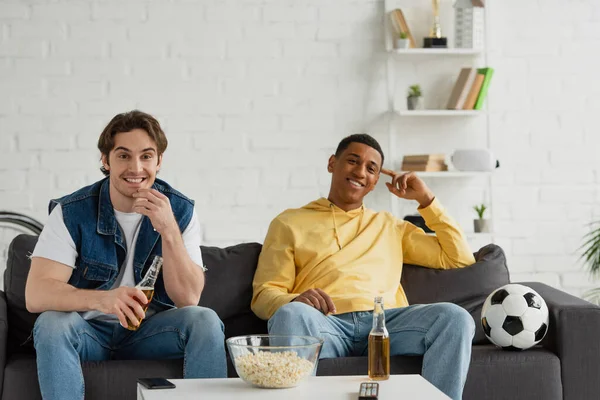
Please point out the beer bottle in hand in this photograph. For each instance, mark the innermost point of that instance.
(146, 285)
(379, 345)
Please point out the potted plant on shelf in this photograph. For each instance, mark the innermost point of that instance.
(414, 100)
(481, 225)
(403, 42)
(591, 259)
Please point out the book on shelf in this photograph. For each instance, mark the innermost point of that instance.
(474, 92)
(424, 162)
(417, 158)
(462, 88)
(488, 73)
(401, 26)
(431, 166)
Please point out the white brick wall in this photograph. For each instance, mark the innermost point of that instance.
(254, 96)
(547, 137)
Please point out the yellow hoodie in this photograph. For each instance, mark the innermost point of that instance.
(353, 256)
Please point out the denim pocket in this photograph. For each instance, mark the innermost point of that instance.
(96, 272)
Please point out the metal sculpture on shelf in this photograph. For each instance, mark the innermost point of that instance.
(435, 38)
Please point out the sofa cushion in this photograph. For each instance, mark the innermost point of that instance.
(229, 275)
(468, 287)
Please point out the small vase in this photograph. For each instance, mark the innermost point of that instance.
(414, 103)
(402, 43)
(482, 225)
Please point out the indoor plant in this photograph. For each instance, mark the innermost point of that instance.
(415, 99)
(591, 259)
(481, 225)
(403, 42)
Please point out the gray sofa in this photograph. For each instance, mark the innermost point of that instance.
(565, 366)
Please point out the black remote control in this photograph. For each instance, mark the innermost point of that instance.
(368, 391)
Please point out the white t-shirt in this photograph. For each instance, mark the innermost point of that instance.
(55, 243)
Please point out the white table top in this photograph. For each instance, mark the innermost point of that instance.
(412, 387)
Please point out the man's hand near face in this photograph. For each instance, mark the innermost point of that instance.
(184, 280)
(318, 299)
(409, 186)
(156, 206)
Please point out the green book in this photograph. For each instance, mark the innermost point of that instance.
(487, 72)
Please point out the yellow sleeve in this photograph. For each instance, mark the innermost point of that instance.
(276, 272)
(447, 249)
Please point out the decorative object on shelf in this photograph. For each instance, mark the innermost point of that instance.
(591, 259)
(401, 27)
(414, 101)
(435, 38)
(468, 24)
(474, 160)
(481, 225)
(403, 42)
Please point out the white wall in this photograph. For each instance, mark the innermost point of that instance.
(254, 95)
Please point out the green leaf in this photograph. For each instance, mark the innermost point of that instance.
(480, 210)
(591, 250)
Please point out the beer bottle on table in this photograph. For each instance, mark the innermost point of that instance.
(146, 285)
(379, 345)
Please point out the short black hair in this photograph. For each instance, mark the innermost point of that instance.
(359, 138)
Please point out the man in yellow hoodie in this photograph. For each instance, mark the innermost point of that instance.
(322, 265)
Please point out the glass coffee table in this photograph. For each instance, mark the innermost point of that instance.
(412, 387)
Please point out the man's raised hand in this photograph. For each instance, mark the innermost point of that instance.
(409, 186)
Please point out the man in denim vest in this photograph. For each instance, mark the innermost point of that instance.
(96, 246)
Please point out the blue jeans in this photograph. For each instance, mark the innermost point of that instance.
(64, 339)
(441, 332)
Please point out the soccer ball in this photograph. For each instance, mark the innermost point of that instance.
(514, 317)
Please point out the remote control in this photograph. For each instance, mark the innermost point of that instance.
(368, 391)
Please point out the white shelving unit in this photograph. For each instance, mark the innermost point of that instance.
(439, 113)
(396, 112)
(436, 52)
(453, 174)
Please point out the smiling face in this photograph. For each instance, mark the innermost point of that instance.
(355, 173)
(132, 164)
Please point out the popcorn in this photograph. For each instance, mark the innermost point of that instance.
(273, 369)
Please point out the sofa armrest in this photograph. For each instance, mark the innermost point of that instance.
(573, 335)
(3, 336)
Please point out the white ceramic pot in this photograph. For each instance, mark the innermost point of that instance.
(415, 103)
(482, 225)
(402, 43)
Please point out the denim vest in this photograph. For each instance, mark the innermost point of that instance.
(90, 219)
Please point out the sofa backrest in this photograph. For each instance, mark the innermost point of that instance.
(20, 321)
(228, 288)
(468, 287)
(229, 275)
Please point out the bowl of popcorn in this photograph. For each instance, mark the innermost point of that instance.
(273, 361)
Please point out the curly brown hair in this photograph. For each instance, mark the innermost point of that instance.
(126, 122)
